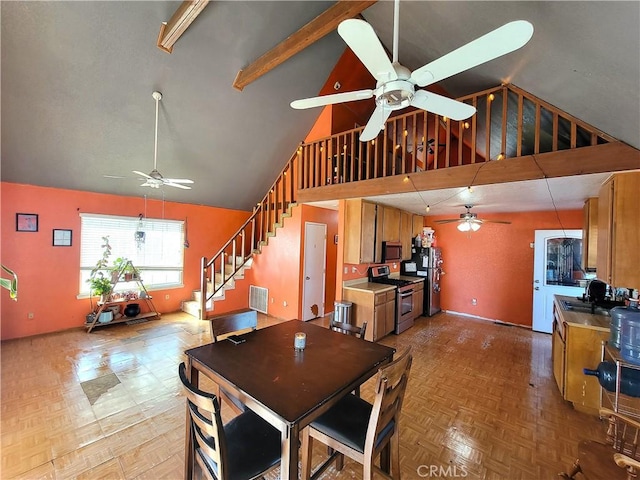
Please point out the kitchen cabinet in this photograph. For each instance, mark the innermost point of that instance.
(418, 300)
(418, 225)
(406, 229)
(583, 334)
(376, 307)
(390, 224)
(590, 234)
(362, 243)
(619, 231)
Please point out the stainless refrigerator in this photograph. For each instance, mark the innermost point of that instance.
(429, 265)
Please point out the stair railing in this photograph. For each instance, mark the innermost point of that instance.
(251, 236)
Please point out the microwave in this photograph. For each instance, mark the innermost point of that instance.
(391, 252)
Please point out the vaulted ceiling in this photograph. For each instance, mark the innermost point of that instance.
(77, 79)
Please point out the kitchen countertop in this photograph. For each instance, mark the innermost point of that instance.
(371, 287)
(581, 319)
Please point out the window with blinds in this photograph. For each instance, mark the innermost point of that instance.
(158, 254)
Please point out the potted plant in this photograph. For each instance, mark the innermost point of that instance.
(118, 268)
(100, 285)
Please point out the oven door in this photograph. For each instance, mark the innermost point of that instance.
(404, 317)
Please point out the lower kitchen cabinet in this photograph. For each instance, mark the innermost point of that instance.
(378, 309)
(418, 300)
(577, 346)
(583, 350)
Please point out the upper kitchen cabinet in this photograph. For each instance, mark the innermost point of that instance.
(390, 224)
(406, 229)
(590, 235)
(418, 224)
(360, 232)
(619, 231)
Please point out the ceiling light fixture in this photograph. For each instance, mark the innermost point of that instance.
(468, 226)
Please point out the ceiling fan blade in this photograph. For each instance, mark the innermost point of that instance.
(450, 220)
(177, 180)
(497, 221)
(443, 106)
(375, 124)
(143, 174)
(331, 99)
(171, 184)
(364, 42)
(494, 44)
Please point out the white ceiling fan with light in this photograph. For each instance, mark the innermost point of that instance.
(396, 84)
(154, 179)
(469, 221)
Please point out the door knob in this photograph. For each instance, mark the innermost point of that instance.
(536, 288)
(307, 278)
(536, 281)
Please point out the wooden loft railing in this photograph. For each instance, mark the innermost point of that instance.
(509, 123)
(267, 215)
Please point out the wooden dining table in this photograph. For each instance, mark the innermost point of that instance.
(289, 388)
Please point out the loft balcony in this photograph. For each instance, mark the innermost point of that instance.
(513, 136)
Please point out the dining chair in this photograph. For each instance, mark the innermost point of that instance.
(227, 324)
(245, 448)
(363, 431)
(617, 457)
(348, 329)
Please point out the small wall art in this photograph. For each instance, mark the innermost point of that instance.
(26, 222)
(62, 238)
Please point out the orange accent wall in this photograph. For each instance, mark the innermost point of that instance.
(280, 266)
(495, 264)
(48, 276)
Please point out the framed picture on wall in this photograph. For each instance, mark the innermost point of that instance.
(62, 238)
(26, 222)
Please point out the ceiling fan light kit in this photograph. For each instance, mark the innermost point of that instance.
(396, 84)
(469, 222)
(154, 179)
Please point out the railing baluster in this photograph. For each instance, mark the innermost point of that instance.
(520, 124)
(505, 102)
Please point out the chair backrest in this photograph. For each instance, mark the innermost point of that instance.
(391, 383)
(232, 322)
(348, 329)
(206, 424)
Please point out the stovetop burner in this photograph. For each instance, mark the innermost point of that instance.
(392, 281)
(380, 274)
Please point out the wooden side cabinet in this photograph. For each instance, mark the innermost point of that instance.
(590, 235)
(619, 231)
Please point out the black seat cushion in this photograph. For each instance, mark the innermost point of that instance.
(347, 422)
(253, 447)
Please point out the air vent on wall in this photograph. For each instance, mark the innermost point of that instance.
(258, 298)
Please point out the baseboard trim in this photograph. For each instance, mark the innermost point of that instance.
(485, 319)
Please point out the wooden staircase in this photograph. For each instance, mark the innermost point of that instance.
(229, 263)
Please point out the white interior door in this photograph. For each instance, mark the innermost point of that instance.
(556, 271)
(315, 255)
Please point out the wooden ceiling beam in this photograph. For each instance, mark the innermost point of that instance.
(317, 28)
(172, 30)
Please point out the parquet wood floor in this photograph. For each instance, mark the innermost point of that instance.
(481, 403)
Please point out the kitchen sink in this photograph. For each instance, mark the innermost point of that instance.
(583, 307)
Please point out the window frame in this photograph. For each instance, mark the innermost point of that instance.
(157, 227)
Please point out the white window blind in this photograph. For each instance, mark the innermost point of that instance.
(159, 258)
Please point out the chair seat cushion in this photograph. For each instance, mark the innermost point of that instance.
(596, 461)
(347, 422)
(253, 447)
